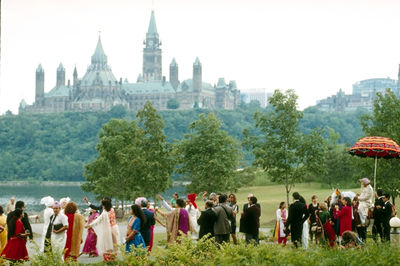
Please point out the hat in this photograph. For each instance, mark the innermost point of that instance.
(365, 181)
(139, 200)
(47, 201)
(192, 199)
(66, 200)
(212, 195)
(56, 204)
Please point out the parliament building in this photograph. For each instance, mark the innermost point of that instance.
(98, 89)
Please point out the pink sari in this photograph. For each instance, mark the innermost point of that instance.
(91, 239)
(151, 233)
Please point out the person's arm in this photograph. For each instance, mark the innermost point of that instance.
(160, 212)
(158, 220)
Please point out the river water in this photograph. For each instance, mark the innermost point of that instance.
(31, 194)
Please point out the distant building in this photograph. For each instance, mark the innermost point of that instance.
(260, 95)
(98, 89)
(363, 96)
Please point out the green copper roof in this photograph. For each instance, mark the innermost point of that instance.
(187, 85)
(152, 30)
(98, 76)
(150, 87)
(61, 91)
(39, 68)
(221, 82)
(60, 67)
(99, 57)
(75, 72)
(173, 63)
(197, 62)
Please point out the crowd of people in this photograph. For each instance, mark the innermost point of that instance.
(340, 219)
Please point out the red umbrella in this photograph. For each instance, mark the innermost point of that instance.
(375, 147)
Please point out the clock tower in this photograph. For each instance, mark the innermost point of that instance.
(152, 69)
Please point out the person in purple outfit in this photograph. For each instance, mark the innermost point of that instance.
(91, 239)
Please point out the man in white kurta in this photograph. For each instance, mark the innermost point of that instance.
(58, 236)
(47, 213)
(366, 199)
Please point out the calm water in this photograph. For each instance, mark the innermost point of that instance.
(31, 194)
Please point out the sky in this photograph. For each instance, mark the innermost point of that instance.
(315, 47)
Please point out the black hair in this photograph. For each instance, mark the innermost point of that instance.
(12, 224)
(138, 212)
(296, 195)
(144, 203)
(181, 203)
(1, 210)
(222, 198)
(379, 192)
(19, 205)
(107, 204)
(210, 203)
(348, 201)
(387, 195)
(253, 200)
(281, 204)
(302, 200)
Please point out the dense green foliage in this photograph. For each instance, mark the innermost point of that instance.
(284, 152)
(134, 158)
(57, 146)
(208, 156)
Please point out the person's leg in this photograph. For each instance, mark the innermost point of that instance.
(234, 239)
(218, 239)
(226, 238)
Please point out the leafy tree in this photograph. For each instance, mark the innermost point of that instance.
(208, 156)
(173, 103)
(385, 122)
(281, 149)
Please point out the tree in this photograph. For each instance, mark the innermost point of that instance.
(385, 122)
(208, 156)
(173, 103)
(281, 149)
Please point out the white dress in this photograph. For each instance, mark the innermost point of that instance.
(47, 213)
(102, 227)
(58, 240)
(304, 237)
(366, 200)
(194, 214)
(281, 224)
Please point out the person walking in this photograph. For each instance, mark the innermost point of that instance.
(250, 221)
(91, 238)
(298, 214)
(76, 224)
(136, 222)
(222, 226)
(281, 216)
(206, 220)
(15, 249)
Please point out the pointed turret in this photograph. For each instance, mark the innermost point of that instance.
(39, 92)
(75, 76)
(152, 30)
(99, 57)
(173, 74)
(60, 75)
(39, 68)
(197, 76)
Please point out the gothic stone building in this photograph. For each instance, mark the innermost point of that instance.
(98, 89)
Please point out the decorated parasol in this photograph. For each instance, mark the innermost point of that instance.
(378, 147)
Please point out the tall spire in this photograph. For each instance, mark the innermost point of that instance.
(152, 30)
(99, 57)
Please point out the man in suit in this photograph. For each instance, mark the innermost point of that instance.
(222, 226)
(94, 207)
(298, 214)
(250, 221)
(150, 220)
(24, 220)
(377, 227)
(386, 216)
(207, 220)
(247, 205)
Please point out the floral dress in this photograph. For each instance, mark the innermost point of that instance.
(137, 239)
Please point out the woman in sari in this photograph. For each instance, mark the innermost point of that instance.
(177, 221)
(74, 232)
(3, 232)
(135, 223)
(105, 226)
(281, 216)
(15, 249)
(91, 239)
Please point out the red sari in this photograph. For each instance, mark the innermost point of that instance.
(15, 248)
(345, 218)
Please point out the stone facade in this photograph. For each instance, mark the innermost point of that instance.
(98, 89)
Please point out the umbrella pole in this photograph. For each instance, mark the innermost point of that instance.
(376, 160)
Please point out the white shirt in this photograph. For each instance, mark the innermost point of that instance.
(61, 219)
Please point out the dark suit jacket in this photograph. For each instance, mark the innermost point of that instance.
(145, 230)
(378, 212)
(206, 222)
(298, 214)
(97, 208)
(24, 220)
(246, 206)
(250, 220)
(386, 212)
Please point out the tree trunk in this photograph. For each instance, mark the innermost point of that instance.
(287, 190)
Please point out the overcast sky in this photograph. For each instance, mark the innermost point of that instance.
(315, 47)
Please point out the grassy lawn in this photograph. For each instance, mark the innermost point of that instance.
(270, 196)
